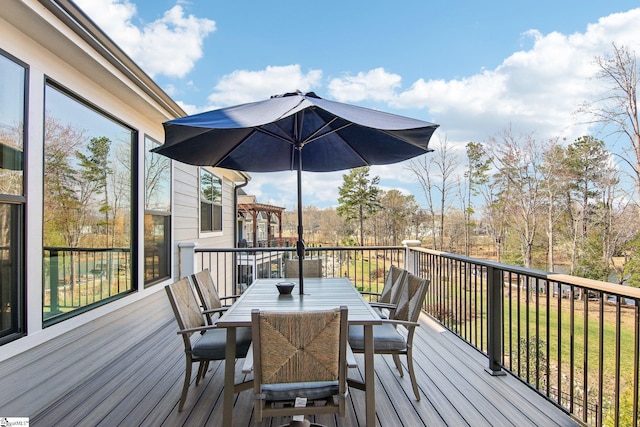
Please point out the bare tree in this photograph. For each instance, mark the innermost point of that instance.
(618, 107)
(442, 164)
(422, 169)
(447, 162)
(66, 200)
(553, 185)
(518, 160)
(395, 215)
(619, 226)
(332, 227)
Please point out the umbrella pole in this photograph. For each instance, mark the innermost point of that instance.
(300, 243)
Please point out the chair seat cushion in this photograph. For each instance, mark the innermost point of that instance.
(385, 338)
(212, 343)
(310, 390)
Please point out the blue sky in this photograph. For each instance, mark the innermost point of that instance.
(475, 68)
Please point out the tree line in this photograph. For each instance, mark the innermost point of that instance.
(539, 203)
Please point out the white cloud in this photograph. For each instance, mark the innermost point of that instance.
(377, 85)
(538, 89)
(190, 108)
(243, 86)
(170, 45)
(281, 188)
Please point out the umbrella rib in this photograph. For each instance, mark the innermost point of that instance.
(275, 135)
(315, 136)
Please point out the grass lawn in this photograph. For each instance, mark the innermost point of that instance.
(571, 346)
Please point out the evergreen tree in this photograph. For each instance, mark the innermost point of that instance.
(95, 170)
(584, 164)
(359, 197)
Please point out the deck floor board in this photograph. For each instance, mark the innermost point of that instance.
(143, 388)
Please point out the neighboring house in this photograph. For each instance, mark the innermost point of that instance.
(90, 221)
(260, 223)
(259, 226)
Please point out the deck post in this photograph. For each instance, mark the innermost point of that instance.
(410, 263)
(494, 320)
(187, 259)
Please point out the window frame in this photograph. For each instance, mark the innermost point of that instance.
(18, 324)
(133, 212)
(214, 205)
(156, 213)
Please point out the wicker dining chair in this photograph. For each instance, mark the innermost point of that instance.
(202, 342)
(386, 337)
(387, 299)
(212, 303)
(299, 355)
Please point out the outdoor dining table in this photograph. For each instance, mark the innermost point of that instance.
(323, 293)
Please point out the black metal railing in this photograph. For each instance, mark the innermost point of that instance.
(575, 341)
(234, 269)
(77, 278)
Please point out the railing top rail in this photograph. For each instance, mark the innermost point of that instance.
(609, 288)
(238, 250)
(293, 249)
(74, 249)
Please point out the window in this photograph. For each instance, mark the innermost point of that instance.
(157, 215)
(210, 202)
(12, 116)
(88, 215)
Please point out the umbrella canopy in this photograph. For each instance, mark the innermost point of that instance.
(295, 131)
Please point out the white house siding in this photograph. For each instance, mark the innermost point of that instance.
(39, 368)
(186, 216)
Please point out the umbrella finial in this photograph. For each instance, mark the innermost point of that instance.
(294, 93)
(297, 92)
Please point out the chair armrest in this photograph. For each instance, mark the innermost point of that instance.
(383, 305)
(247, 366)
(370, 293)
(351, 358)
(404, 323)
(216, 310)
(198, 329)
(230, 297)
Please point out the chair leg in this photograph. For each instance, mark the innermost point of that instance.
(412, 374)
(206, 368)
(185, 386)
(396, 359)
(200, 374)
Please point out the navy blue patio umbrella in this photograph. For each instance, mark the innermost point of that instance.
(295, 131)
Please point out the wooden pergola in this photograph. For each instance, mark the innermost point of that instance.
(254, 210)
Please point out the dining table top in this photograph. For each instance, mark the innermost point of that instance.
(319, 294)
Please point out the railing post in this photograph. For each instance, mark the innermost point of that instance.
(410, 263)
(187, 259)
(494, 320)
(54, 281)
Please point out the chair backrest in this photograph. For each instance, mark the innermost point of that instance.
(312, 268)
(411, 298)
(306, 346)
(396, 278)
(206, 289)
(185, 305)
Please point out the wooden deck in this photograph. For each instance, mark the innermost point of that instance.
(143, 388)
